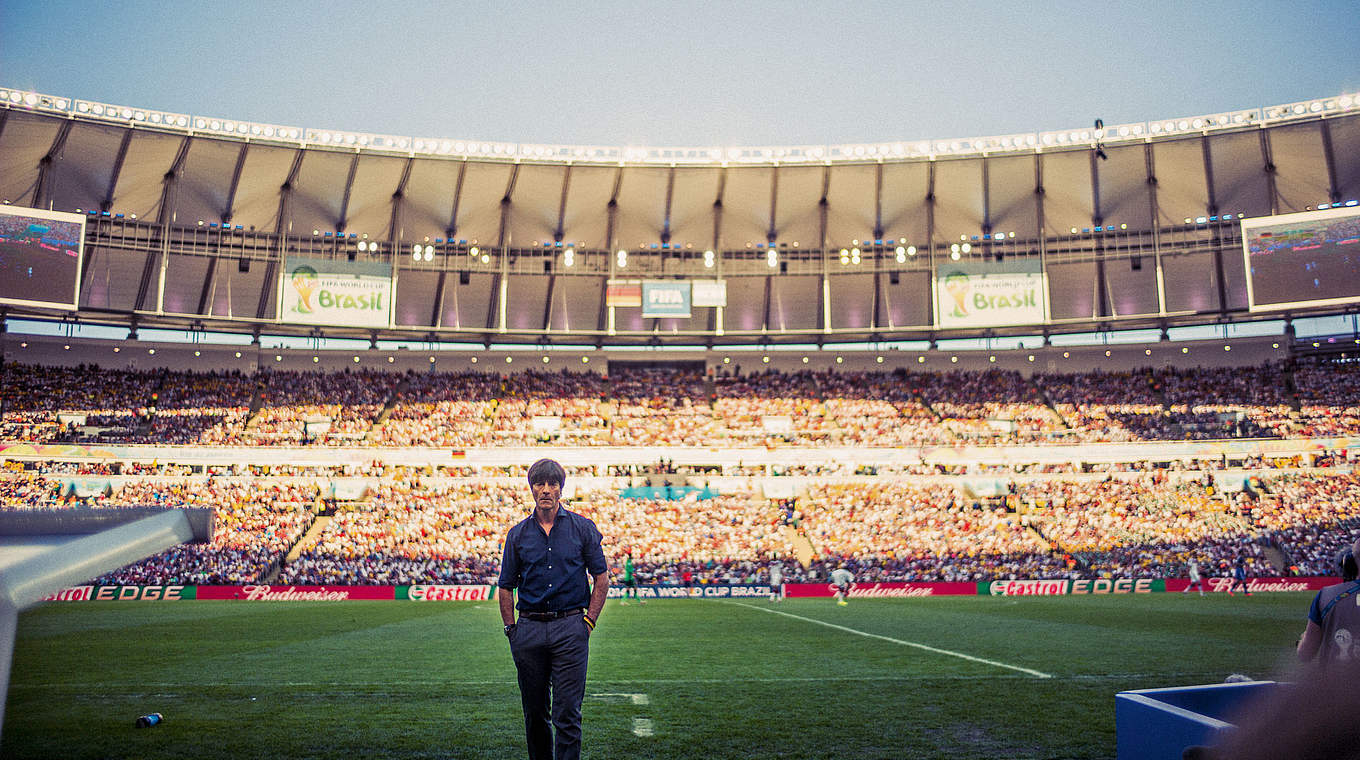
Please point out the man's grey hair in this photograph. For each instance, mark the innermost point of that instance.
(547, 471)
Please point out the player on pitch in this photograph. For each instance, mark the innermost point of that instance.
(842, 578)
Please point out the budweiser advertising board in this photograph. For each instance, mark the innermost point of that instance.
(277, 593)
(870, 590)
(1258, 585)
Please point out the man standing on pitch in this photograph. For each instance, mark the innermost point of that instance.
(548, 557)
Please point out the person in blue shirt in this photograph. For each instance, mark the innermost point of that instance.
(549, 557)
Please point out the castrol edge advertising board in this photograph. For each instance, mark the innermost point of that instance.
(881, 590)
(1080, 586)
(435, 593)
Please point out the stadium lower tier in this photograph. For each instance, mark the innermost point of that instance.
(410, 530)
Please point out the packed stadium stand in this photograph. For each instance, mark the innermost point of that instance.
(1037, 356)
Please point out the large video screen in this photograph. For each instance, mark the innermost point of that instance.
(969, 294)
(1307, 259)
(335, 293)
(40, 256)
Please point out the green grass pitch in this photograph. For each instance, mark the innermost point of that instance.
(672, 679)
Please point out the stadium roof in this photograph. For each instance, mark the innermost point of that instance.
(1133, 224)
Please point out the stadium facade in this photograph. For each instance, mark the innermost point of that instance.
(821, 255)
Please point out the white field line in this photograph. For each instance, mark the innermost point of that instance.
(641, 726)
(925, 647)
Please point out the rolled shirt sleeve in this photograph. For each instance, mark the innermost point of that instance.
(510, 571)
(592, 551)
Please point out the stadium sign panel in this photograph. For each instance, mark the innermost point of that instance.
(669, 298)
(705, 591)
(1307, 259)
(123, 594)
(708, 293)
(430, 593)
(1258, 585)
(882, 590)
(1080, 586)
(335, 293)
(40, 257)
(1000, 294)
(266, 593)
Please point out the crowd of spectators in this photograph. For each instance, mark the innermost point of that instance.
(409, 529)
(646, 407)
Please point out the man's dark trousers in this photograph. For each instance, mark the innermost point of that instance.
(552, 654)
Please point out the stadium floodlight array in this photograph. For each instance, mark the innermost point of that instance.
(12, 98)
(247, 129)
(124, 114)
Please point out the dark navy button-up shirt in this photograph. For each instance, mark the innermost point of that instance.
(549, 569)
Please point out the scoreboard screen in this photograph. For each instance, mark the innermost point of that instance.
(1306, 259)
(40, 257)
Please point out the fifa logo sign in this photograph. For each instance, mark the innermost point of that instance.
(662, 297)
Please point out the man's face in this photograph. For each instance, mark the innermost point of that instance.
(546, 494)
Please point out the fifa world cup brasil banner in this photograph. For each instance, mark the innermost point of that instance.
(335, 293)
(990, 295)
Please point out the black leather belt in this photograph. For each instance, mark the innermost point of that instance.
(551, 615)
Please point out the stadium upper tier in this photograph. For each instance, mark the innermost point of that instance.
(677, 408)
(191, 223)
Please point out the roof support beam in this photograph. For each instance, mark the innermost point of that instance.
(209, 279)
(170, 182)
(1150, 166)
(772, 234)
(43, 186)
(670, 196)
(1104, 307)
(437, 308)
(395, 226)
(930, 233)
(769, 287)
(1212, 199)
(559, 231)
(878, 200)
(452, 229)
(267, 288)
(823, 229)
(107, 203)
(548, 302)
(342, 222)
(497, 315)
(606, 321)
(229, 210)
(1329, 157)
(148, 270)
(283, 223)
(1268, 166)
(986, 197)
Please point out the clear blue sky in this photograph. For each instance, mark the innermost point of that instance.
(684, 73)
